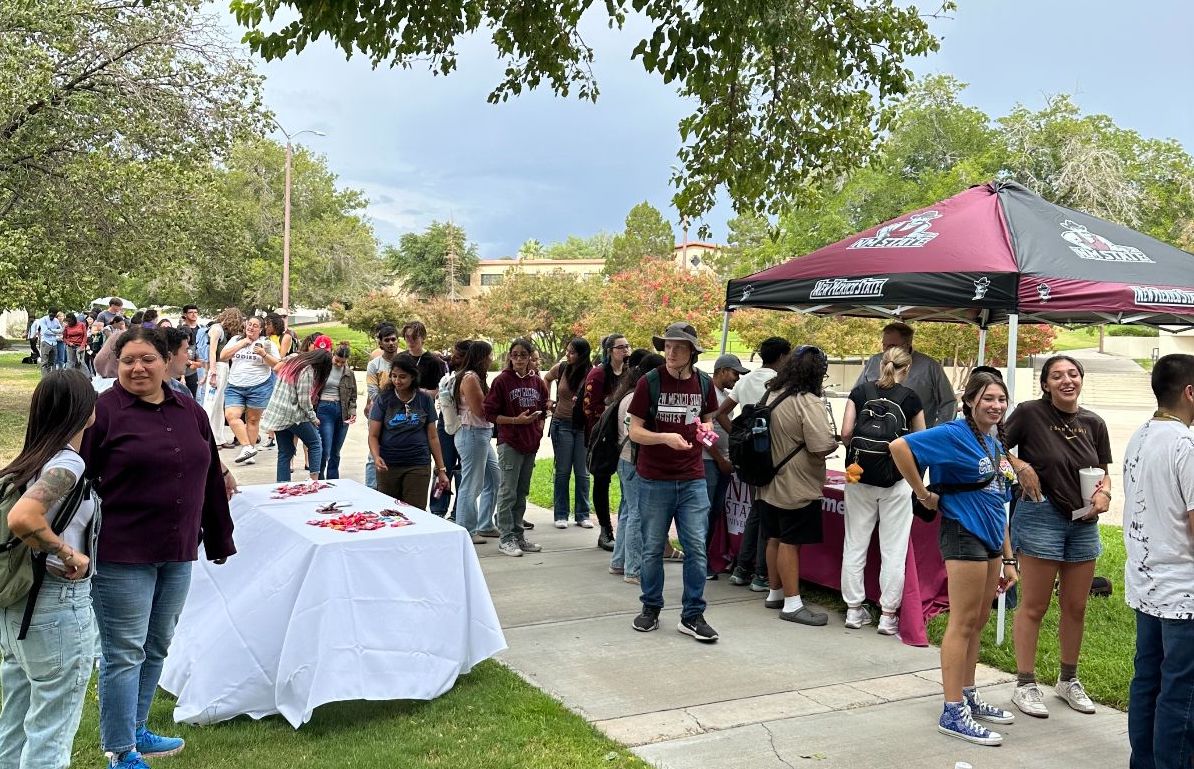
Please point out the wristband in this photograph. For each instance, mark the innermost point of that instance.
(225, 473)
(1104, 491)
(1011, 562)
(1023, 468)
(925, 497)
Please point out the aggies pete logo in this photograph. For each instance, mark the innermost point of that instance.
(913, 232)
(1089, 245)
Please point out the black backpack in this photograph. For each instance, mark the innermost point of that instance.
(604, 447)
(750, 443)
(654, 387)
(879, 422)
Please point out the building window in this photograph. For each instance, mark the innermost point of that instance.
(464, 280)
(491, 279)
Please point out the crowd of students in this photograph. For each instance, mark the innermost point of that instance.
(431, 428)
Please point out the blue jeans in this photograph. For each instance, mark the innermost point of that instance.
(44, 678)
(515, 485)
(309, 435)
(686, 502)
(1161, 697)
(60, 354)
(136, 607)
(628, 545)
(332, 432)
(716, 483)
(447, 446)
(370, 472)
(568, 443)
(479, 477)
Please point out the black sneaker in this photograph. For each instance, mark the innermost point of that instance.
(698, 628)
(647, 620)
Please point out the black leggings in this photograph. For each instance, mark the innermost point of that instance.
(601, 499)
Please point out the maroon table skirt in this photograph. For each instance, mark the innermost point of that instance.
(925, 590)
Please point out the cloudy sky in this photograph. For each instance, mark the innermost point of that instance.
(425, 148)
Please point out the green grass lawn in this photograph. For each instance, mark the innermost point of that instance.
(491, 718)
(1075, 339)
(339, 333)
(1105, 666)
(543, 482)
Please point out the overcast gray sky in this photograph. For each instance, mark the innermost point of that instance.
(425, 148)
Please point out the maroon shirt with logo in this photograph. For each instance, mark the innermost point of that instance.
(510, 395)
(157, 472)
(681, 405)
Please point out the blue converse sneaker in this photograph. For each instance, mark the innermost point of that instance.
(984, 712)
(152, 745)
(956, 721)
(130, 759)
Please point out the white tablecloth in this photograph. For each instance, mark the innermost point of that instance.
(302, 615)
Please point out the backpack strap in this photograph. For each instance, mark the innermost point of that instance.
(70, 506)
(792, 454)
(653, 387)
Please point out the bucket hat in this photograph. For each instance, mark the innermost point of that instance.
(678, 332)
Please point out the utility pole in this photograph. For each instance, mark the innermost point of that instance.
(286, 211)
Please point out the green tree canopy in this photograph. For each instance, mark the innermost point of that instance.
(421, 260)
(544, 307)
(782, 92)
(647, 236)
(111, 114)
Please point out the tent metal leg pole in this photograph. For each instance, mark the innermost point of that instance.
(982, 346)
(725, 330)
(1013, 330)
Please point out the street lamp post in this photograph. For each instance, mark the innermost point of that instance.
(286, 211)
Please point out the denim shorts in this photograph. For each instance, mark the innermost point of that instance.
(1040, 530)
(959, 544)
(254, 397)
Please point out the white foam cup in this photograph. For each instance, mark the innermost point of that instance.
(1089, 478)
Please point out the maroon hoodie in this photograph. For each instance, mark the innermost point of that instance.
(510, 395)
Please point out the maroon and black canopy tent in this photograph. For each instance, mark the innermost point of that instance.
(992, 254)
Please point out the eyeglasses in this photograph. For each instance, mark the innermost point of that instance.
(144, 360)
(520, 355)
(621, 347)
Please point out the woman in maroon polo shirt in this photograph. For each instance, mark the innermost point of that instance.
(156, 468)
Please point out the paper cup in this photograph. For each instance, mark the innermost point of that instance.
(1088, 478)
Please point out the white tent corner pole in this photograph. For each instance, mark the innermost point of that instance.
(982, 346)
(725, 330)
(1013, 330)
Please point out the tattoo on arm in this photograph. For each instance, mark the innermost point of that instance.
(38, 540)
(52, 486)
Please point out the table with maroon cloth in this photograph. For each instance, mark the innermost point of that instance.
(925, 589)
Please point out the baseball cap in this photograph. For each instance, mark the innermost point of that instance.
(730, 361)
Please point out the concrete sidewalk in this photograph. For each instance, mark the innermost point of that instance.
(768, 694)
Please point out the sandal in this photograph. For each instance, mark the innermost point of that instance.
(673, 554)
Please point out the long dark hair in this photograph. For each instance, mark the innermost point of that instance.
(576, 373)
(474, 361)
(635, 371)
(522, 342)
(61, 405)
(406, 363)
(612, 380)
(803, 372)
(320, 363)
(975, 386)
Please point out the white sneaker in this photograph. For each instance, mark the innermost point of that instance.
(1075, 695)
(585, 524)
(561, 524)
(857, 616)
(248, 452)
(1031, 702)
(889, 624)
(510, 548)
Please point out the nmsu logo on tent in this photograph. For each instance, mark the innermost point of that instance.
(848, 288)
(1147, 295)
(913, 232)
(1088, 245)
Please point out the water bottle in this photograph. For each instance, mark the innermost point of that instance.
(760, 439)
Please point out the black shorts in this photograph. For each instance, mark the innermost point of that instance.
(801, 526)
(958, 544)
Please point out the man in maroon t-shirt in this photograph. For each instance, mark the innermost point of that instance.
(671, 475)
